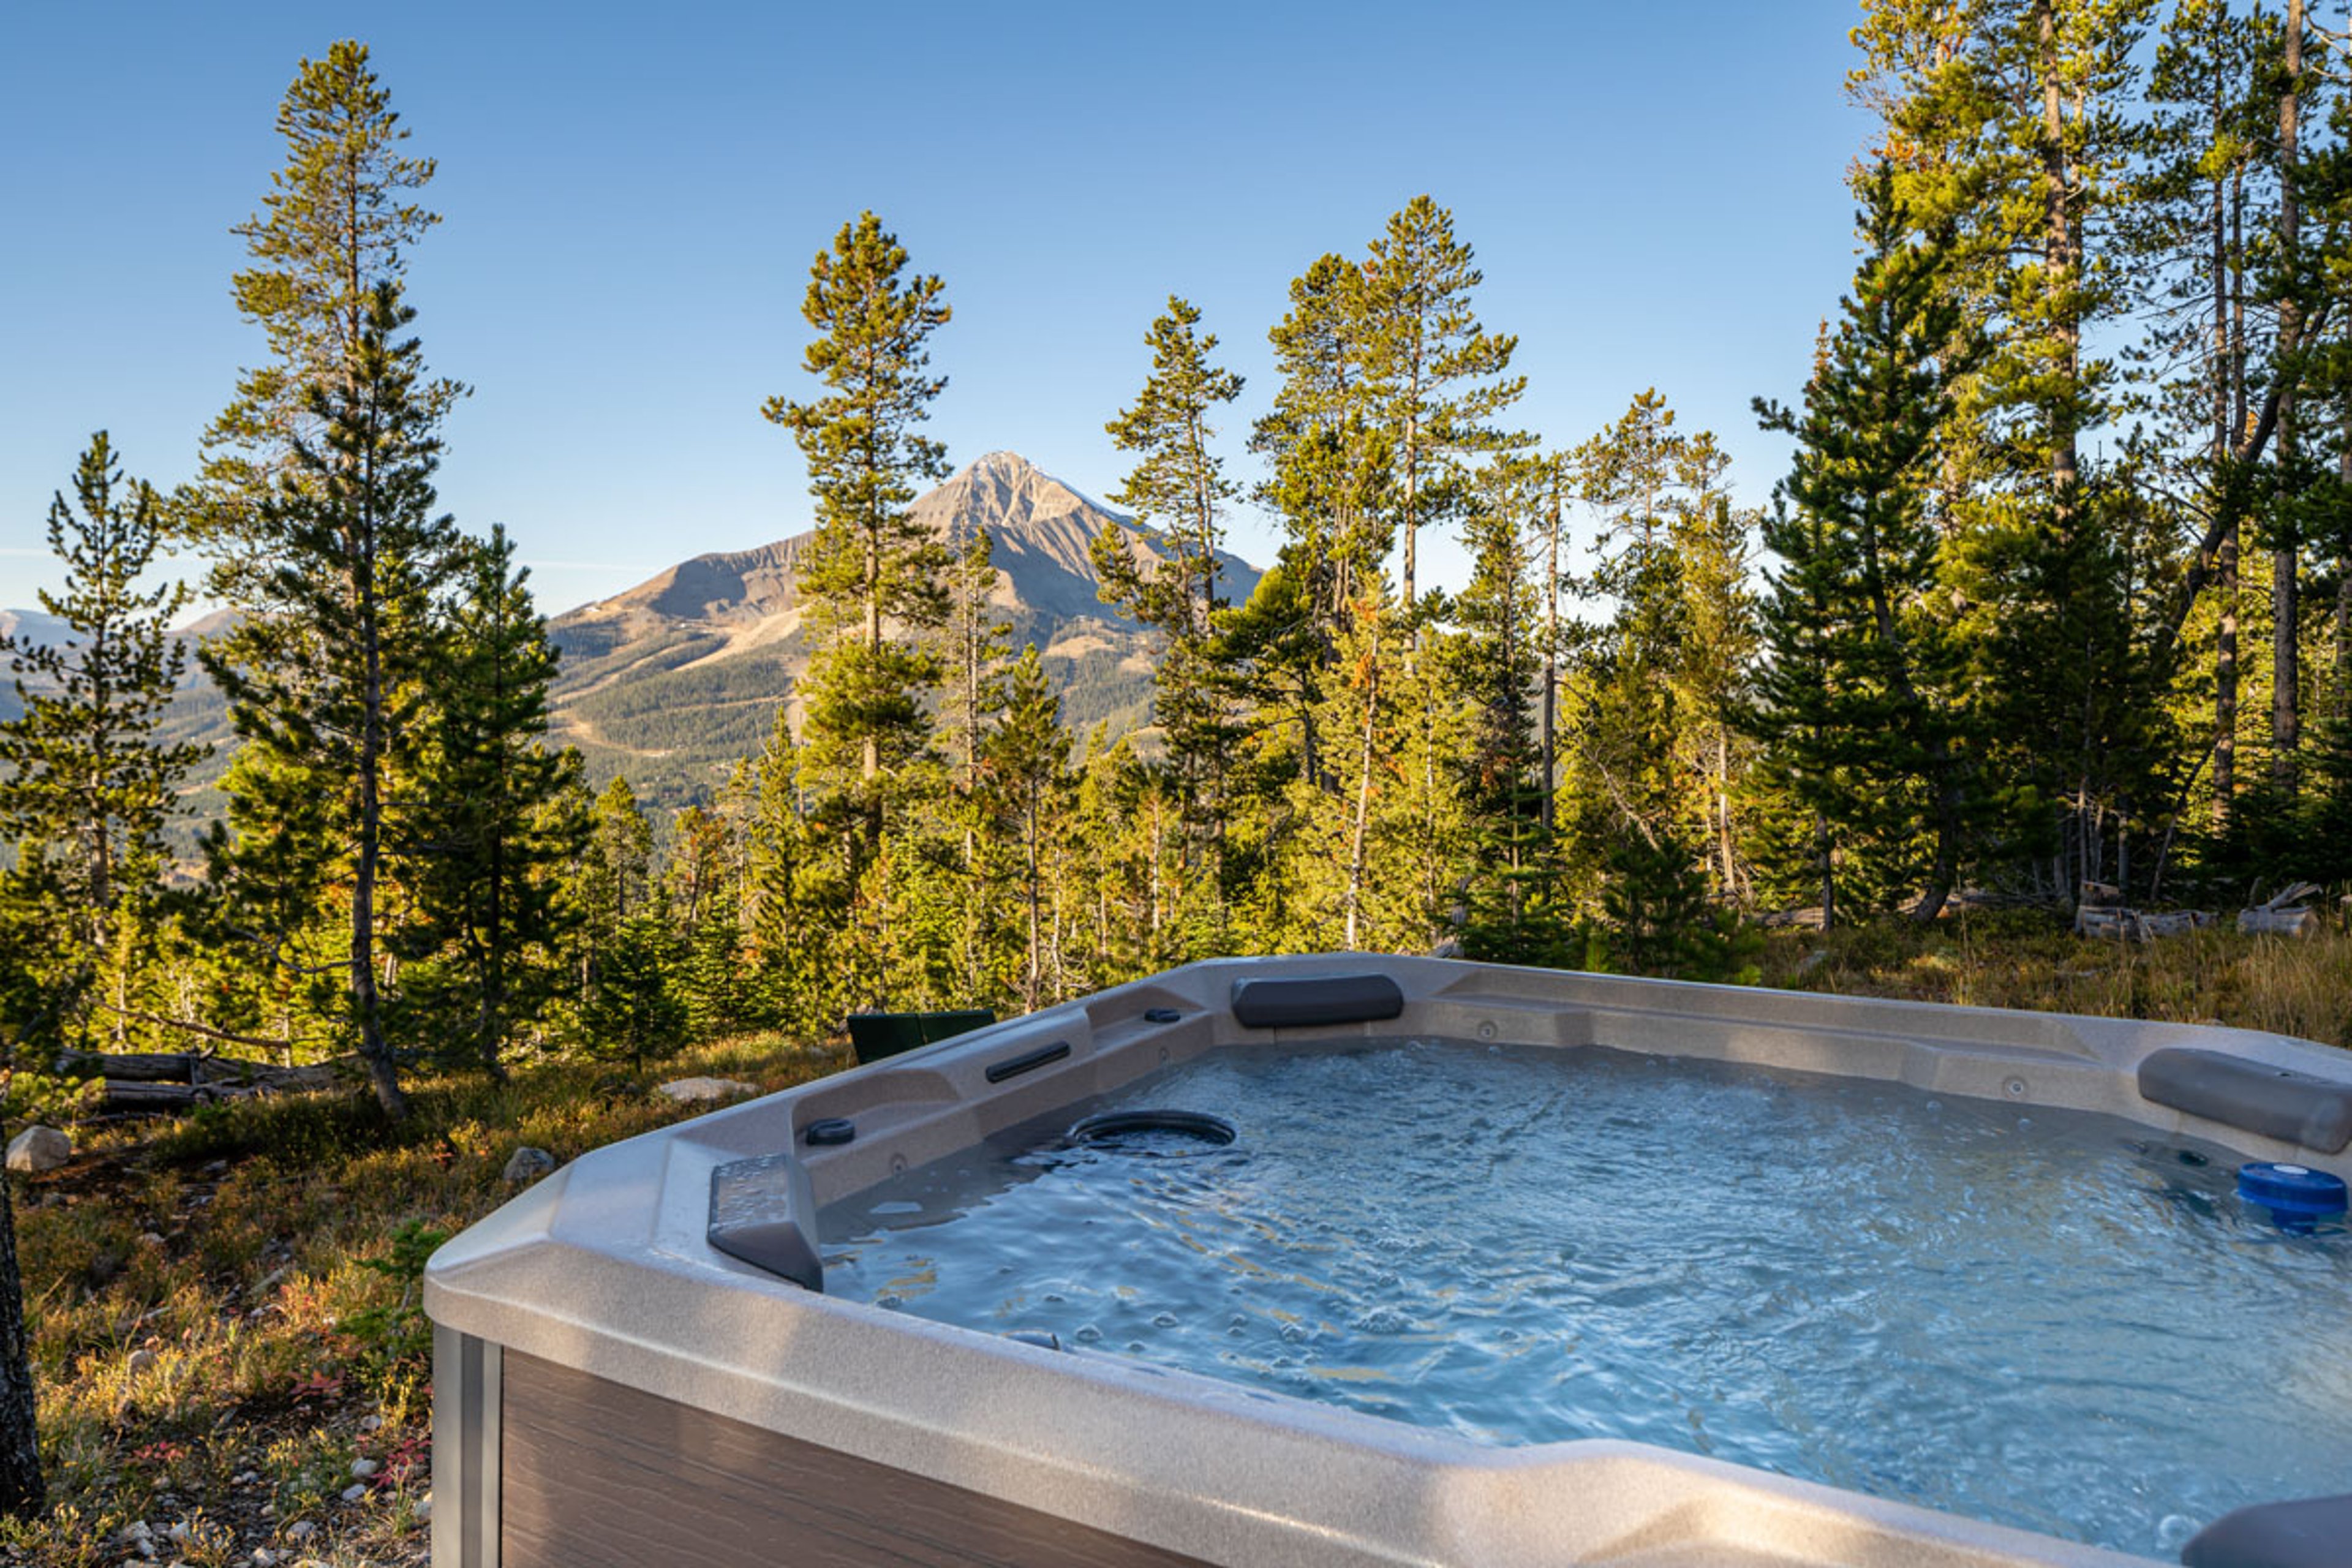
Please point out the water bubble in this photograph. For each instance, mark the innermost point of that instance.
(2172, 1533)
(1088, 1334)
(1164, 1320)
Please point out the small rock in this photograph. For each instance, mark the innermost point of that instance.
(363, 1468)
(353, 1493)
(138, 1362)
(370, 1422)
(425, 1509)
(300, 1529)
(137, 1530)
(264, 1558)
(528, 1164)
(149, 1238)
(38, 1148)
(180, 1533)
(690, 1090)
(216, 1168)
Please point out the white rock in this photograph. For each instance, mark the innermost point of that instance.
(353, 1494)
(180, 1533)
(264, 1558)
(688, 1091)
(425, 1509)
(528, 1164)
(370, 1423)
(363, 1468)
(138, 1530)
(138, 1361)
(300, 1530)
(38, 1148)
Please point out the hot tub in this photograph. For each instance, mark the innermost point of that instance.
(639, 1362)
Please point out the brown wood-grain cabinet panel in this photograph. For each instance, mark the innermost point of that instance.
(596, 1475)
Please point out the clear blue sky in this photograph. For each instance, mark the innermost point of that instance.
(631, 195)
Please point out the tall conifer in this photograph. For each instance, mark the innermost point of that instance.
(1178, 487)
(1860, 605)
(329, 685)
(875, 575)
(493, 833)
(86, 787)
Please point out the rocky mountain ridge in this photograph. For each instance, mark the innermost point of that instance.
(672, 680)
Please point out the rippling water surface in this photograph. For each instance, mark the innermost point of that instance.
(2036, 1317)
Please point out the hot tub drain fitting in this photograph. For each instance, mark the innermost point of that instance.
(2296, 1196)
(1113, 1130)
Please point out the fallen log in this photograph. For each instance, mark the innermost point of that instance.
(2134, 925)
(152, 1099)
(2268, 922)
(133, 1067)
(188, 1068)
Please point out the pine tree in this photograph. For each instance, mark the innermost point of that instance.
(1327, 450)
(1027, 757)
(1178, 487)
(1637, 475)
(495, 832)
(780, 938)
(978, 640)
(873, 575)
(1440, 381)
(1440, 378)
(1514, 911)
(340, 219)
(616, 879)
(1861, 606)
(86, 788)
(328, 678)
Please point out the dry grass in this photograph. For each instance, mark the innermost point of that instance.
(2029, 959)
(224, 1316)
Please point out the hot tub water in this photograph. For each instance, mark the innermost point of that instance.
(2036, 1317)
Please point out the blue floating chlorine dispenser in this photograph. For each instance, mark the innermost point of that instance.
(2296, 1196)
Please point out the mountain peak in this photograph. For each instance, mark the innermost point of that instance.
(1006, 465)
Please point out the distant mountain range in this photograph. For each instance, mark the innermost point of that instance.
(675, 679)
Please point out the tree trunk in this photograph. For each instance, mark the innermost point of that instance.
(1551, 659)
(2286, 712)
(21, 1491)
(383, 1075)
(1355, 897)
(1029, 988)
(2225, 648)
(2058, 258)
